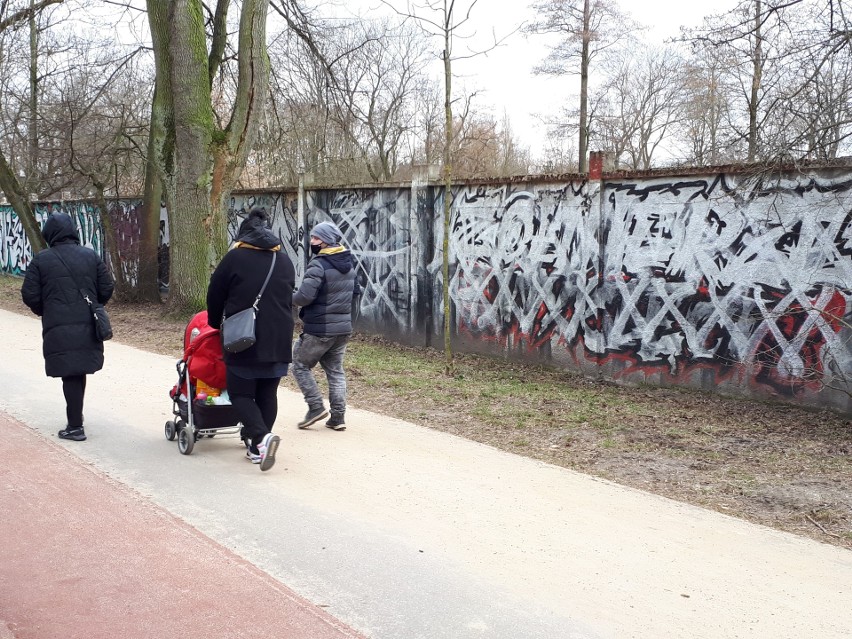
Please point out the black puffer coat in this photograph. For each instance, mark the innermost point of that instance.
(68, 329)
(236, 282)
(326, 293)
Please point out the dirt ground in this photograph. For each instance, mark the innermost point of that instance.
(776, 465)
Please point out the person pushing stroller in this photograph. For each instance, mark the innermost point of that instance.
(253, 375)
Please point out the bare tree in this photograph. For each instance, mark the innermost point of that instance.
(703, 131)
(560, 155)
(482, 147)
(102, 129)
(346, 98)
(425, 147)
(375, 87)
(820, 109)
(9, 183)
(822, 118)
(445, 20)
(585, 29)
(777, 54)
(297, 133)
(642, 100)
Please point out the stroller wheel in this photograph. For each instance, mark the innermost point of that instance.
(171, 430)
(186, 440)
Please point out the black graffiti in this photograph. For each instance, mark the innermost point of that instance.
(790, 239)
(714, 219)
(840, 240)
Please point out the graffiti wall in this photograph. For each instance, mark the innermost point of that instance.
(283, 210)
(526, 270)
(125, 218)
(725, 281)
(720, 281)
(15, 250)
(734, 281)
(376, 224)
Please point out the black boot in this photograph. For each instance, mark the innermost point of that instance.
(74, 434)
(336, 422)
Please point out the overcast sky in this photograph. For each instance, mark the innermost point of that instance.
(505, 75)
(503, 78)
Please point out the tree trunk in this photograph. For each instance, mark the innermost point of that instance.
(448, 196)
(147, 284)
(197, 163)
(191, 224)
(584, 91)
(115, 261)
(20, 203)
(757, 72)
(32, 183)
(229, 154)
(159, 169)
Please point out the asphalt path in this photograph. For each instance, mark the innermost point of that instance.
(399, 532)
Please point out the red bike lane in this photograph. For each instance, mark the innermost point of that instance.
(83, 556)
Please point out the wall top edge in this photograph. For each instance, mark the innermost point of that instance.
(267, 189)
(737, 169)
(81, 200)
(754, 169)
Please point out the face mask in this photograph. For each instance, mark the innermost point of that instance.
(315, 249)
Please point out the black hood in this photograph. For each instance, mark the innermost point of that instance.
(341, 261)
(58, 229)
(255, 231)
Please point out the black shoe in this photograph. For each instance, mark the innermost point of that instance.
(336, 423)
(75, 434)
(313, 416)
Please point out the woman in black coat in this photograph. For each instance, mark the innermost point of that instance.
(253, 375)
(54, 285)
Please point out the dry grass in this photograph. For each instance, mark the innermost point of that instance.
(781, 466)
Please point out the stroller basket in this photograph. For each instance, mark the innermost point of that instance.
(208, 416)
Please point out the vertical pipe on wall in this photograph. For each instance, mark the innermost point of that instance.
(422, 252)
(413, 251)
(596, 168)
(301, 232)
(421, 247)
(432, 321)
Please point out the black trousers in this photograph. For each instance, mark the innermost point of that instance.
(74, 389)
(256, 401)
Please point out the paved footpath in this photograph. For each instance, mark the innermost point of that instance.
(389, 530)
(85, 556)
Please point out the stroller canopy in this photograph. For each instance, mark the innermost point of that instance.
(202, 349)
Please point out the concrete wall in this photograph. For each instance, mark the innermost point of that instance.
(15, 250)
(725, 281)
(730, 281)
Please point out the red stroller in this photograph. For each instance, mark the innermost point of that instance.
(202, 360)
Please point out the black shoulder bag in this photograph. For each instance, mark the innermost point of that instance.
(103, 328)
(238, 329)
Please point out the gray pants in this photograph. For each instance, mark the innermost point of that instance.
(328, 352)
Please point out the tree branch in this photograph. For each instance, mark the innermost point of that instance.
(23, 14)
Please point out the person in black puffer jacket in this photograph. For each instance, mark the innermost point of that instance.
(253, 374)
(326, 297)
(54, 290)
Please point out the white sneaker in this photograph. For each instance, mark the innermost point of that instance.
(267, 447)
(252, 457)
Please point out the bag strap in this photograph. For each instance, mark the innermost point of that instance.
(73, 277)
(265, 282)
